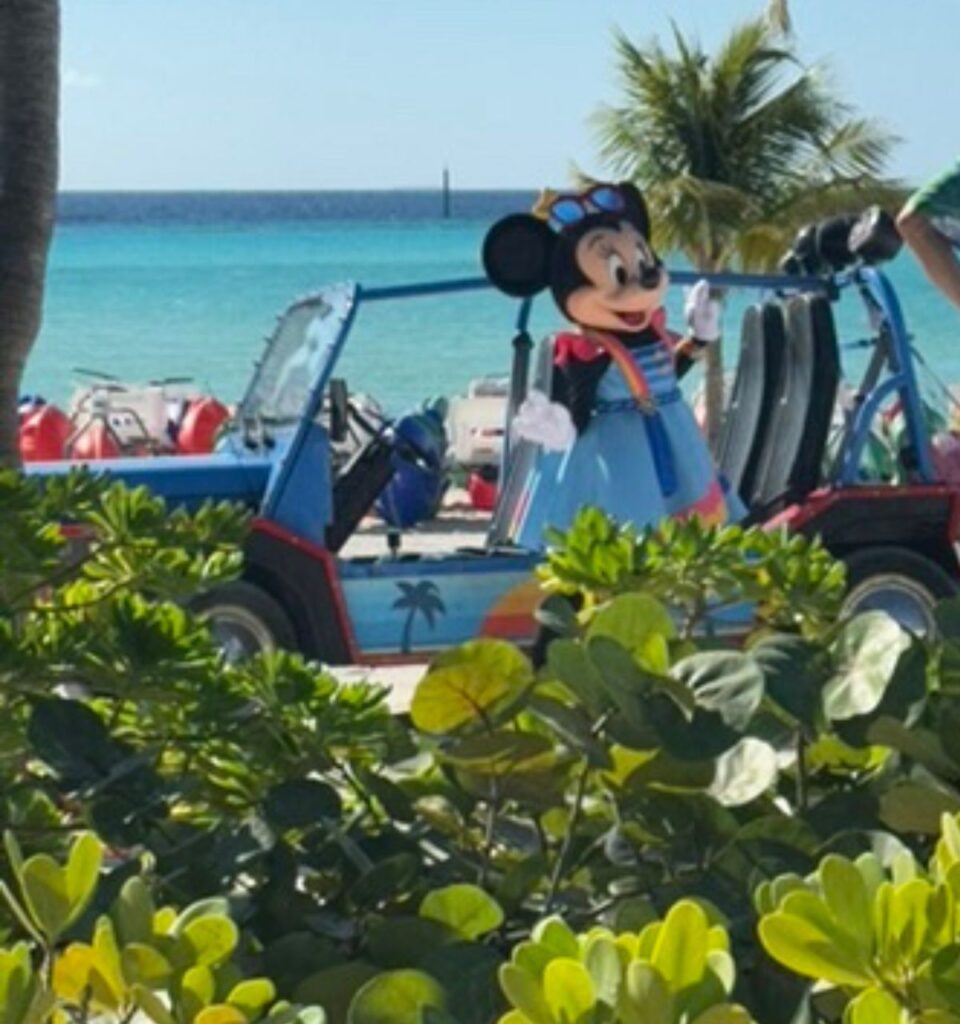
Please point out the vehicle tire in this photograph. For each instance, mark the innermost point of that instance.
(244, 619)
(901, 582)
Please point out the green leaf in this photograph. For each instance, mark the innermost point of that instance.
(465, 908)
(728, 683)
(468, 973)
(335, 987)
(647, 994)
(300, 803)
(502, 753)
(680, 952)
(744, 772)
(806, 948)
(875, 1006)
(865, 656)
(913, 807)
(524, 992)
(631, 620)
(151, 1005)
(83, 872)
(468, 683)
(133, 911)
(794, 672)
(602, 960)
(398, 997)
(846, 895)
(210, 939)
(403, 940)
(252, 996)
(44, 886)
(567, 661)
(144, 964)
(220, 1014)
(197, 990)
(724, 1013)
(568, 990)
(388, 879)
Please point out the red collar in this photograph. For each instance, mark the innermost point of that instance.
(571, 345)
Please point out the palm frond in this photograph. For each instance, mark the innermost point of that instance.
(778, 15)
(731, 147)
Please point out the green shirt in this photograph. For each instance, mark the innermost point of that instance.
(939, 202)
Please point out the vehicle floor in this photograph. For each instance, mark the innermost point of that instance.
(458, 525)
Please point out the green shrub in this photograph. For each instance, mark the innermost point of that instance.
(401, 859)
(885, 941)
(170, 967)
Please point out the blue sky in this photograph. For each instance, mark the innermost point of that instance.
(320, 94)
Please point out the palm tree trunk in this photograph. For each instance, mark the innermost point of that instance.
(29, 105)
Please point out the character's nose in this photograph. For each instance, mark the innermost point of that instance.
(650, 277)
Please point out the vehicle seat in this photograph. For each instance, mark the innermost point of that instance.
(748, 416)
(361, 481)
(521, 455)
(791, 462)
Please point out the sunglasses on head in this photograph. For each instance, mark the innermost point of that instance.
(569, 209)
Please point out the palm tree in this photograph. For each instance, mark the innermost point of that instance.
(737, 150)
(29, 103)
(418, 598)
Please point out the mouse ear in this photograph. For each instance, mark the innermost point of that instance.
(636, 207)
(516, 254)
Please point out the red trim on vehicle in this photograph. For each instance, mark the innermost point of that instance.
(326, 559)
(819, 501)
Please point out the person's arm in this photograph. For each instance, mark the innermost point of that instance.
(934, 251)
(929, 223)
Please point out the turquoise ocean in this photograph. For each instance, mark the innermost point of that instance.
(152, 285)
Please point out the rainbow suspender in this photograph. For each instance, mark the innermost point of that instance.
(640, 390)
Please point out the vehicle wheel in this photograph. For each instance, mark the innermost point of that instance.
(904, 584)
(244, 619)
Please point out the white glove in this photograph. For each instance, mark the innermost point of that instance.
(545, 423)
(702, 312)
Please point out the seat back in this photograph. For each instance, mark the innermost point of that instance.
(521, 457)
(754, 394)
(790, 463)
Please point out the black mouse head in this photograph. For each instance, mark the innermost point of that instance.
(592, 249)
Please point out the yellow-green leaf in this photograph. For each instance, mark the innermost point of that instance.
(805, 949)
(220, 1014)
(875, 1006)
(525, 994)
(133, 912)
(252, 996)
(846, 895)
(680, 953)
(466, 683)
(44, 887)
(397, 997)
(211, 939)
(465, 908)
(83, 872)
(146, 965)
(646, 995)
(568, 990)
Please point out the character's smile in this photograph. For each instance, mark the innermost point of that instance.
(634, 320)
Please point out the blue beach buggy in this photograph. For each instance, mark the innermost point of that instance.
(782, 449)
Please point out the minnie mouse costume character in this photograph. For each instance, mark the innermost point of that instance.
(615, 431)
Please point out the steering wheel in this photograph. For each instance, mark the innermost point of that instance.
(372, 425)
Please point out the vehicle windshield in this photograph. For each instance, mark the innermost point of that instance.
(299, 358)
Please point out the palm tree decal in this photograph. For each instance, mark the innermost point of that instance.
(418, 598)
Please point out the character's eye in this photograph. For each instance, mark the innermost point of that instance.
(616, 269)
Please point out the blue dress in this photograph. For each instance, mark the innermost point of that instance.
(636, 471)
